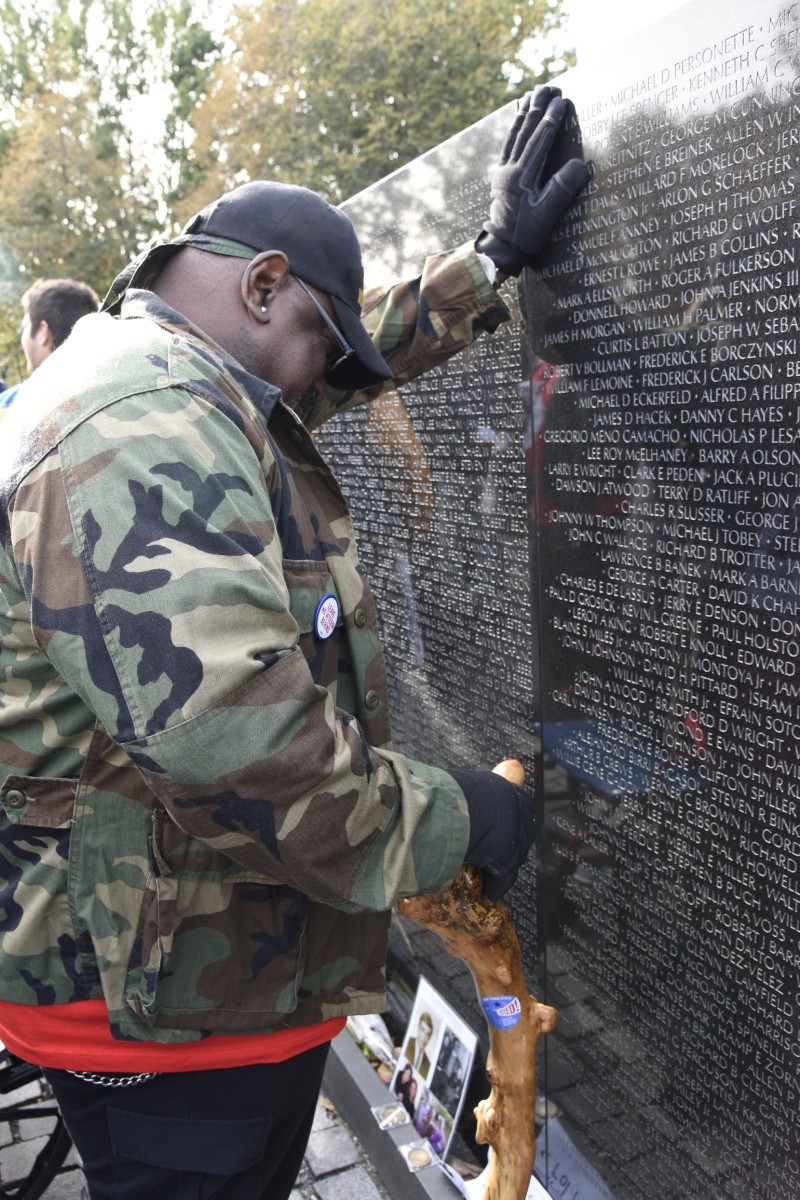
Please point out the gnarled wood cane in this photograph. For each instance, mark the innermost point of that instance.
(481, 932)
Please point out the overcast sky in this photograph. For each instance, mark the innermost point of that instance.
(594, 25)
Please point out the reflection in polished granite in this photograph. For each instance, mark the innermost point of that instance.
(584, 537)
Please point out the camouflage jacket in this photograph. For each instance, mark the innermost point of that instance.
(203, 820)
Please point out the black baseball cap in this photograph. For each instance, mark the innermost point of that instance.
(318, 240)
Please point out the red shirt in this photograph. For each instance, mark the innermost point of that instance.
(76, 1037)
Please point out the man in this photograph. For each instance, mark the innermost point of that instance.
(205, 826)
(415, 1047)
(50, 309)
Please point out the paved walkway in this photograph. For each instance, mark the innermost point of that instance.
(335, 1166)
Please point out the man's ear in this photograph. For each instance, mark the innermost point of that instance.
(263, 277)
(43, 337)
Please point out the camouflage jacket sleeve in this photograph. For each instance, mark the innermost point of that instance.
(158, 590)
(419, 324)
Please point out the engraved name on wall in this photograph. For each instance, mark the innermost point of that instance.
(667, 505)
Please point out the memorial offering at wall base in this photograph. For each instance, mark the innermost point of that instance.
(431, 1074)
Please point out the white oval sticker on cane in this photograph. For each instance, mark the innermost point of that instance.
(326, 616)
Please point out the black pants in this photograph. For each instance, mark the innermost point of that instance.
(235, 1134)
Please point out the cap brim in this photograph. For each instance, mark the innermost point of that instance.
(365, 368)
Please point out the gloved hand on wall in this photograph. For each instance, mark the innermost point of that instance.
(526, 206)
(502, 827)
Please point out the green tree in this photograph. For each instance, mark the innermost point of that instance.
(78, 196)
(191, 51)
(336, 94)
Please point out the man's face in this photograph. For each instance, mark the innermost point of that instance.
(424, 1034)
(298, 346)
(35, 345)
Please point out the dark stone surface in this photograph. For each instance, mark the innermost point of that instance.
(608, 586)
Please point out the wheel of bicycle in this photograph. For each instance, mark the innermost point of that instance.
(15, 1075)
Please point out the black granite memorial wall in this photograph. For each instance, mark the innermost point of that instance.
(584, 533)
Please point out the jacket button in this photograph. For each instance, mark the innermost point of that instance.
(372, 699)
(360, 618)
(15, 798)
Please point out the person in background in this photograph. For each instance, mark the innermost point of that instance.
(50, 309)
(204, 825)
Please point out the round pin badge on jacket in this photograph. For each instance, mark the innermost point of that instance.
(326, 616)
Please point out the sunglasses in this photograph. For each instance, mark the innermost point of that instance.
(346, 351)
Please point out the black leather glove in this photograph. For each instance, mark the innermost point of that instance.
(502, 827)
(525, 206)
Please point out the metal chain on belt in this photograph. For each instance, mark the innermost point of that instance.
(114, 1080)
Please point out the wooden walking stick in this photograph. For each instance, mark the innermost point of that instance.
(481, 932)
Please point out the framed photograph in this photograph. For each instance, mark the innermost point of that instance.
(434, 1067)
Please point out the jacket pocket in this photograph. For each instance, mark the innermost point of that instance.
(310, 584)
(218, 947)
(42, 802)
(38, 963)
